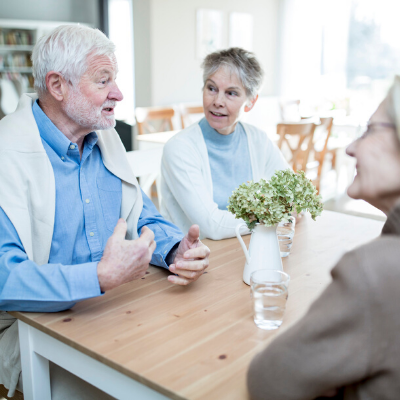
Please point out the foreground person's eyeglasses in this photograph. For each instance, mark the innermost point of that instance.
(374, 126)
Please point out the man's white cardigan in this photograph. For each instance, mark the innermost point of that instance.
(27, 196)
(186, 184)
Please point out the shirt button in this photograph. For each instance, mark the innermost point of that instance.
(62, 158)
(87, 201)
(72, 146)
(91, 234)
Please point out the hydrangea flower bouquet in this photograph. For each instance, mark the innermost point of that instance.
(272, 202)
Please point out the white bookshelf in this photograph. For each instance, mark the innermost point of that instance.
(17, 39)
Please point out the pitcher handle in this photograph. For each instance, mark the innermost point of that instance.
(239, 236)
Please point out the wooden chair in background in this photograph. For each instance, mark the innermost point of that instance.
(296, 143)
(154, 119)
(151, 120)
(321, 147)
(188, 111)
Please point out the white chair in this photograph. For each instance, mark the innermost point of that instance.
(146, 165)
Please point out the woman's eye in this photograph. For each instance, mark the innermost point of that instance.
(232, 93)
(211, 88)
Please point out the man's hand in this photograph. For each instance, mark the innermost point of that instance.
(125, 260)
(191, 258)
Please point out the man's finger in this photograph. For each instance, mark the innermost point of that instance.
(199, 252)
(177, 280)
(147, 235)
(191, 275)
(120, 229)
(193, 234)
(198, 265)
(152, 246)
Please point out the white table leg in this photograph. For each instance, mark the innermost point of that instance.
(35, 368)
(38, 348)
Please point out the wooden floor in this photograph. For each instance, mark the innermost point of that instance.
(4, 392)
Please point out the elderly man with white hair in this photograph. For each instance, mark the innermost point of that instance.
(73, 220)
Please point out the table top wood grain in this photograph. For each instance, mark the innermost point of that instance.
(196, 342)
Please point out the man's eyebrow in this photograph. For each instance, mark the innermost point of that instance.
(103, 71)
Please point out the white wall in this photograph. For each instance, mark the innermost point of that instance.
(175, 71)
(142, 48)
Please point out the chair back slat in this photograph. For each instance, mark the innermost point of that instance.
(154, 119)
(186, 111)
(298, 139)
(326, 125)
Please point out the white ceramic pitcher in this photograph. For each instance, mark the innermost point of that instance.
(263, 251)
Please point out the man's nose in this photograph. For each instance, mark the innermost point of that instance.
(115, 93)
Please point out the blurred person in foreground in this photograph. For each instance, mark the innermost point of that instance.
(204, 163)
(73, 220)
(348, 344)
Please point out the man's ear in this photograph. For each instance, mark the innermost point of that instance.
(56, 85)
(250, 104)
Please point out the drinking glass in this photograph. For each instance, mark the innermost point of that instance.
(269, 291)
(285, 233)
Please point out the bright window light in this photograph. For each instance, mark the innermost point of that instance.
(120, 16)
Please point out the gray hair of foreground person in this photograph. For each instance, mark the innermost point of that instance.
(242, 62)
(65, 50)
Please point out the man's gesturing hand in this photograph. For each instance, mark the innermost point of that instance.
(125, 260)
(191, 258)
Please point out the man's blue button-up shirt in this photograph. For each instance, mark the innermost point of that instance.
(88, 203)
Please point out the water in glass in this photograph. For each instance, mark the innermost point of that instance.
(269, 301)
(285, 233)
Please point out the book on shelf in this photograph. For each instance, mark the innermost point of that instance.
(15, 38)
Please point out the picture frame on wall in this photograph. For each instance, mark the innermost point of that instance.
(209, 32)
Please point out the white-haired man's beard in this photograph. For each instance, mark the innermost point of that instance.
(86, 114)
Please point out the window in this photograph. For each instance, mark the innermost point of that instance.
(120, 20)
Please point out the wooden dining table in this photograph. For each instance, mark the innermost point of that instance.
(150, 339)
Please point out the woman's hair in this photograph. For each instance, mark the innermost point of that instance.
(65, 50)
(392, 103)
(244, 63)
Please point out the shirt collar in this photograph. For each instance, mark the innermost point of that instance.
(53, 136)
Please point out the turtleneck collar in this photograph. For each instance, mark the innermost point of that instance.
(212, 136)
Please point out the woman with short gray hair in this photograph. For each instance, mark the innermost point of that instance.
(205, 162)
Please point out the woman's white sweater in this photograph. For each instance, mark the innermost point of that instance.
(186, 183)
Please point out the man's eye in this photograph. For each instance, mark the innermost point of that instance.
(103, 82)
(232, 93)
